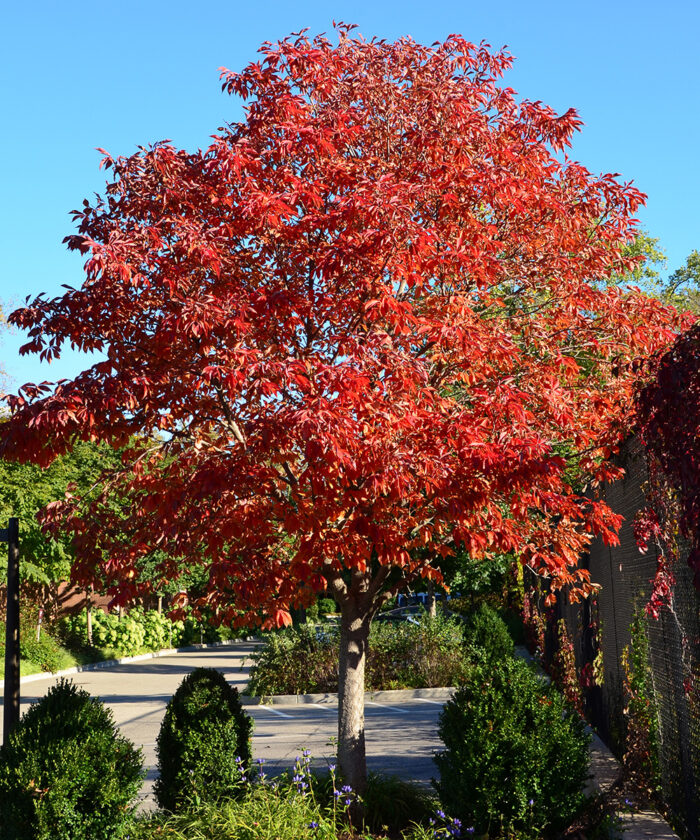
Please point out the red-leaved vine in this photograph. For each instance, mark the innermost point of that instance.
(669, 423)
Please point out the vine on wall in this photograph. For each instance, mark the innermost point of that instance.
(641, 757)
(668, 410)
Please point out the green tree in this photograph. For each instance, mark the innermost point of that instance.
(26, 489)
(680, 288)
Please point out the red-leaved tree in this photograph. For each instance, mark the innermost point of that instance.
(369, 322)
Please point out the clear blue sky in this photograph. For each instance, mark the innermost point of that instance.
(78, 75)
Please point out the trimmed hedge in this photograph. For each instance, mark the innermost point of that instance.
(515, 757)
(204, 743)
(66, 773)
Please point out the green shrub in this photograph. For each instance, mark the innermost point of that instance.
(45, 652)
(394, 804)
(66, 772)
(133, 633)
(297, 660)
(204, 743)
(423, 655)
(486, 635)
(304, 659)
(515, 756)
(327, 605)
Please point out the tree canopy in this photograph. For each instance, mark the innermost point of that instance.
(367, 322)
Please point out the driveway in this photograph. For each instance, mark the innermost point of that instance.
(401, 735)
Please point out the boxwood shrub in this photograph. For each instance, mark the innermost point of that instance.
(486, 635)
(515, 757)
(204, 743)
(66, 773)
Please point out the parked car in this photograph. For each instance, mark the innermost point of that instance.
(411, 614)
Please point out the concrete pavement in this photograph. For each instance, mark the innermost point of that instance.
(401, 736)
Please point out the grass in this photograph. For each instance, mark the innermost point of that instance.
(303, 806)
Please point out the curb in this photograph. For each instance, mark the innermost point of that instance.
(437, 694)
(125, 660)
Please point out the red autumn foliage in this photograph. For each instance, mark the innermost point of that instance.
(669, 418)
(364, 319)
(370, 321)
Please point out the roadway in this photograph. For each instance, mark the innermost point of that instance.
(401, 735)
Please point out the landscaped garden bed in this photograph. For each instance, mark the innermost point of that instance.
(65, 644)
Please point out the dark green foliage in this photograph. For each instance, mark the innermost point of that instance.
(479, 581)
(641, 750)
(510, 741)
(327, 605)
(66, 773)
(486, 635)
(423, 655)
(394, 804)
(204, 743)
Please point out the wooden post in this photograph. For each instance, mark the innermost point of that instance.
(11, 703)
(88, 613)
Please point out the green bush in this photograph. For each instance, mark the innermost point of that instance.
(304, 659)
(133, 633)
(327, 605)
(297, 660)
(423, 655)
(45, 652)
(515, 756)
(66, 772)
(486, 635)
(204, 743)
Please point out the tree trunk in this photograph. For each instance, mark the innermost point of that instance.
(432, 608)
(354, 635)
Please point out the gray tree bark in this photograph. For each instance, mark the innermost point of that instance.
(354, 636)
(432, 607)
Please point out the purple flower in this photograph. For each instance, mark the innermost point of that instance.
(331, 767)
(346, 789)
(313, 824)
(441, 814)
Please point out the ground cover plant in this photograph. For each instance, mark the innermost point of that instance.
(66, 773)
(301, 805)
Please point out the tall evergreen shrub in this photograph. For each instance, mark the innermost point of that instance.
(515, 757)
(204, 743)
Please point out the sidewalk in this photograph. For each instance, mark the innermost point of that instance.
(141, 713)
